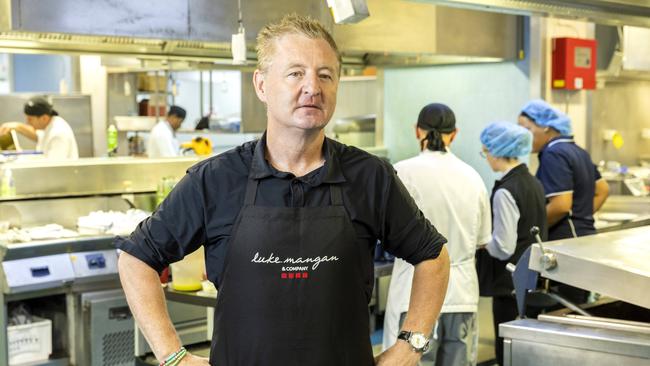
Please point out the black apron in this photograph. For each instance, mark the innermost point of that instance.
(292, 291)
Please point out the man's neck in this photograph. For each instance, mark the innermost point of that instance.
(295, 151)
(509, 165)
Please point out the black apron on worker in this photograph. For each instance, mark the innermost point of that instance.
(292, 291)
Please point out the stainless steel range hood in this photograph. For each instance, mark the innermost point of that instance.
(610, 12)
(396, 33)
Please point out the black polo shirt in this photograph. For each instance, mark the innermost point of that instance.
(203, 207)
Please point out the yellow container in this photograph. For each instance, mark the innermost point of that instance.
(188, 273)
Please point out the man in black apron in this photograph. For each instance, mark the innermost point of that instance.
(289, 224)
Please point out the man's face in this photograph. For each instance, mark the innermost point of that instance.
(38, 122)
(540, 137)
(300, 83)
(175, 121)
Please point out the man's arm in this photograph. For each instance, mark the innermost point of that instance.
(558, 207)
(427, 295)
(147, 302)
(22, 128)
(601, 194)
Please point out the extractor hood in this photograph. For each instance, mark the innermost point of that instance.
(610, 12)
(398, 32)
(623, 52)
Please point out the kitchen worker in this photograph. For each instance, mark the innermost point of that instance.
(453, 197)
(162, 142)
(518, 204)
(289, 223)
(53, 134)
(572, 184)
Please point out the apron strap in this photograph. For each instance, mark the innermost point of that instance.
(335, 195)
(251, 192)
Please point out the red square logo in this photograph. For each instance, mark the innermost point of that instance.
(283, 275)
(297, 275)
(291, 275)
(305, 275)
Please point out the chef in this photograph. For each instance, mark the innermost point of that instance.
(53, 134)
(572, 184)
(453, 196)
(162, 142)
(289, 223)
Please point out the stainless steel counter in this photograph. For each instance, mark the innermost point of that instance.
(616, 263)
(623, 212)
(532, 342)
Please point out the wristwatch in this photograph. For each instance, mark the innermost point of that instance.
(418, 341)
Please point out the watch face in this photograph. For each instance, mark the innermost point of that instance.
(418, 340)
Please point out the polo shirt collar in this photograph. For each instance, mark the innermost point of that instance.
(331, 173)
(558, 140)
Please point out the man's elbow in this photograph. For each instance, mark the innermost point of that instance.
(442, 262)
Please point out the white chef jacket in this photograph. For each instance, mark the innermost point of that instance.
(452, 195)
(57, 140)
(162, 141)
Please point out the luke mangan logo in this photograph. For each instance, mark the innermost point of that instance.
(290, 265)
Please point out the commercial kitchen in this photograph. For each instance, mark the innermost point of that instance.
(113, 69)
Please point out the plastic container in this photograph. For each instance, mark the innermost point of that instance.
(188, 273)
(7, 185)
(30, 342)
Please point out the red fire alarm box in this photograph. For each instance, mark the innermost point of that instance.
(574, 63)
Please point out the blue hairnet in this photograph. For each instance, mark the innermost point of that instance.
(546, 116)
(507, 140)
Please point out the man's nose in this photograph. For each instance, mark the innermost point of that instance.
(311, 86)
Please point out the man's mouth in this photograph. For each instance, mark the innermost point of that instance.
(310, 106)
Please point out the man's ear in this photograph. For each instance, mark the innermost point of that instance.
(259, 84)
(453, 136)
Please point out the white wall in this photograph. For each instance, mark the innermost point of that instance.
(94, 83)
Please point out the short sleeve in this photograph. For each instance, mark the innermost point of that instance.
(555, 174)
(173, 231)
(597, 175)
(406, 233)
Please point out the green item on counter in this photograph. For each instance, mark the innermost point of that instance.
(165, 186)
(111, 139)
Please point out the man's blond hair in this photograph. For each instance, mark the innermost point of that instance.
(290, 24)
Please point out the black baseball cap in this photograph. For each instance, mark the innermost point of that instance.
(38, 106)
(437, 116)
(177, 111)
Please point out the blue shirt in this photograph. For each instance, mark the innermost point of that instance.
(564, 167)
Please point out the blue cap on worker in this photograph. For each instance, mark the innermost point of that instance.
(506, 140)
(544, 115)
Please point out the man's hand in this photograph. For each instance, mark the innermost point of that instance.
(400, 354)
(191, 360)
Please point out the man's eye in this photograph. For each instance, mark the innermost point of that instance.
(295, 74)
(326, 76)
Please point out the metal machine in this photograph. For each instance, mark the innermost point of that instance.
(74, 281)
(613, 331)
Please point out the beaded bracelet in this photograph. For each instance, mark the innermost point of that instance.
(175, 358)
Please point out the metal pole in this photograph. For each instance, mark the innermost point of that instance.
(210, 82)
(201, 92)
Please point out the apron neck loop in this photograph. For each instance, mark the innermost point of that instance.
(251, 192)
(335, 195)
